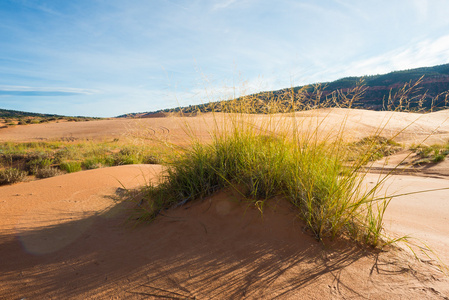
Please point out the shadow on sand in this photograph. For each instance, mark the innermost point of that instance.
(180, 256)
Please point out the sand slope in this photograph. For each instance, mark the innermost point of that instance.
(64, 238)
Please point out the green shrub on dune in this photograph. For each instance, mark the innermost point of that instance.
(317, 173)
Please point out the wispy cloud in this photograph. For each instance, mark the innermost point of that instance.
(144, 55)
(41, 7)
(424, 53)
(8, 90)
(222, 4)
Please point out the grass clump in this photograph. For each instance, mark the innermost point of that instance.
(310, 172)
(374, 147)
(47, 172)
(287, 153)
(71, 166)
(430, 154)
(11, 175)
(36, 163)
(46, 159)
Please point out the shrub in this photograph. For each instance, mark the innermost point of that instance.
(95, 162)
(71, 167)
(70, 152)
(11, 175)
(37, 163)
(427, 154)
(151, 159)
(47, 172)
(312, 173)
(127, 160)
(375, 147)
(128, 155)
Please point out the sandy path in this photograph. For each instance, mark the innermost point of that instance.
(65, 237)
(423, 216)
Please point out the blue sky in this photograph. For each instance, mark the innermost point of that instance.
(109, 57)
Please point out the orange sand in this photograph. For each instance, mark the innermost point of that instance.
(66, 237)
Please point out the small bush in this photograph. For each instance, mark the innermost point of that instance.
(438, 158)
(40, 162)
(47, 172)
(128, 151)
(95, 163)
(71, 167)
(11, 175)
(374, 148)
(430, 154)
(127, 160)
(309, 174)
(68, 153)
(152, 160)
(128, 156)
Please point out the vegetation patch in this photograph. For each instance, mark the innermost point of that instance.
(309, 174)
(374, 147)
(14, 117)
(319, 173)
(71, 166)
(47, 159)
(47, 172)
(430, 154)
(11, 175)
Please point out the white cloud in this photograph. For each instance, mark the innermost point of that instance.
(421, 54)
(16, 88)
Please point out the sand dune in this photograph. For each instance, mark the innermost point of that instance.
(66, 237)
(408, 127)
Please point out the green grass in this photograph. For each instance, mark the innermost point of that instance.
(11, 175)
(316, 173)
(376, 147)
(44, 159)
(430, 154)
(281, 156)
(71, 166)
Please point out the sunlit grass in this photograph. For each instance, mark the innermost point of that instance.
(430, 154)
(281, 155)
(44, 159)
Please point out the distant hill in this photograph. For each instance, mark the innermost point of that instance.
(378, 92)
(16, 114)
(15, 117)
(433, 87)
(5, 113)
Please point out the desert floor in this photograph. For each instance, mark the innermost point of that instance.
(68, 237)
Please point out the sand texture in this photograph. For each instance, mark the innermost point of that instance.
(405, 127)
(67, 237)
